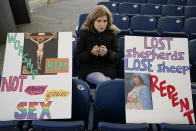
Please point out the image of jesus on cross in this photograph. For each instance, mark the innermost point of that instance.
(40, 41)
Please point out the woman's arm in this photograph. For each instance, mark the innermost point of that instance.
(82, 52)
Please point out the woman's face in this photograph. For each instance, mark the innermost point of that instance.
(100, 23)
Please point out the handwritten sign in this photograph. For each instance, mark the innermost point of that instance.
(37, 76)
(157, 80)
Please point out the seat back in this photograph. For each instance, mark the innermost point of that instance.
(80, 100)
(189, 26)
(0, 79)
(160, 2)
(80, 111)
(128, 8)
(169, 24)
(10, 125)
(192, 54)
(74, 60)
(146, 23)
(191, 2)
(189, 11)
(192, 61)
(172, 10)
(106, 126)
(109, 102)
(113, 7)
(137, 1)
(176, 2)
(82, 18)
(120, 68)
(121, 21)
(193, 87)
(118, 1)
(150, 9)
(176, 127)
(41, 125)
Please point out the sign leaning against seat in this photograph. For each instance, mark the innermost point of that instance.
(157, 80)
(37, 76)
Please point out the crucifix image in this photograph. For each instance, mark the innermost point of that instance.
(40, 41)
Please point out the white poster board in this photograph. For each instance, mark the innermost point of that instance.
(157, 80)
(37, 76)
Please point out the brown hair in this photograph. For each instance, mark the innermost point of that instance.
(97, 12)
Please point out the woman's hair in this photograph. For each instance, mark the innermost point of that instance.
(97, 12)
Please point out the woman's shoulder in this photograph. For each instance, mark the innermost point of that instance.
(84, 32)
(110, 33)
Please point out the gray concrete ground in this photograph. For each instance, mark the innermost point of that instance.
(59, 16)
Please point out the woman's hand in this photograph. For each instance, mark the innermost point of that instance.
(102, 50)
(95, 50)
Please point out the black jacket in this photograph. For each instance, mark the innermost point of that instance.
(89, 63)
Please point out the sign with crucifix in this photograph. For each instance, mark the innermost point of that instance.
(37, 76)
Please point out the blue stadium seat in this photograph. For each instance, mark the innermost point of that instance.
(80, 100)
(176, 2)
(193, 87)
(82, 18)
(122, 22)
(113, 7)
(75, 67)
(176, 127)
(118, 1)
(143, 26)
(171, 26)
(81, 111)
(105, 109)
(129, 9)
(10, 125)
(160, 2)
(121, 45)
(150, 9)
(172, 10)
(0, 79)
(109, 108)
(120, 67)
(106, 126)
(137, 1)
(190, 28)
(192, 60)
(74, 43)
(189, 11)
(191, 3)
(39, 125)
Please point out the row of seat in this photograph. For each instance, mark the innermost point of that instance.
(100, 115)
(161, 2)
(120, 67)
(150, 26)
(131, 9)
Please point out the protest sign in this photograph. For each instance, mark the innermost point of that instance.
(37, 76)
(157, 80)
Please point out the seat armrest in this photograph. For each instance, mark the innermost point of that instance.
(90, 118)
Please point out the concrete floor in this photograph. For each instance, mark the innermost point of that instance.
(59, 16)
